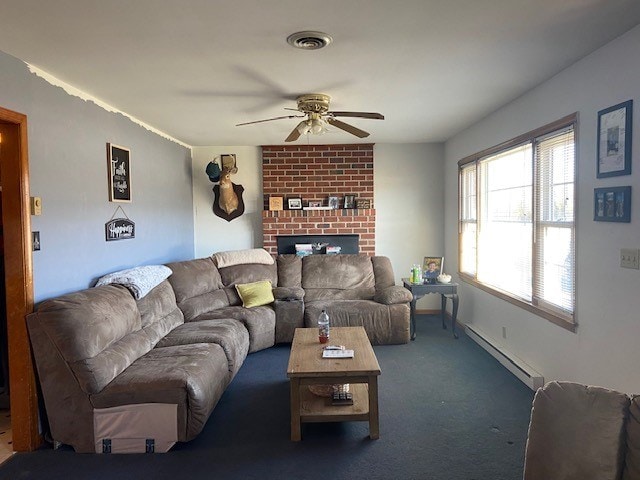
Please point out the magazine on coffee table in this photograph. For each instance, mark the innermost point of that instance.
(337, 353)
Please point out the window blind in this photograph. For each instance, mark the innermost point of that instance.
(554, 248)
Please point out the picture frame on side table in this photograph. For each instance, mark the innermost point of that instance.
(119, 165)
(333, 202)
(431, 268)
(315, 203)
(612, 204)
(294, 203)
(614, 140)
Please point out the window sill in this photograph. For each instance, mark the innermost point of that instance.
(553, 317)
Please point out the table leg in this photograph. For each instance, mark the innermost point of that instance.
(443, 309)
(374, 420)
(296, 434)
(454, 314)
(413, 318)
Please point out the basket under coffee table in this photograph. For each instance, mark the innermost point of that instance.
(307, 367)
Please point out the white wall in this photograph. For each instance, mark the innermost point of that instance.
(604, 350)
(68, 170)
(408, 197)
(212, 233)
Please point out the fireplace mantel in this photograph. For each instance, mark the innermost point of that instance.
(319, 222)
(314, 173)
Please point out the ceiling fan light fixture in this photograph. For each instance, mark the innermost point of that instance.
(309, 40)
(317, 126)
(304, 127)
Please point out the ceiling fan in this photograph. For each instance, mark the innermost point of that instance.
(315, 107)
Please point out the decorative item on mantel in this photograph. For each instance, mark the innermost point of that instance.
(228, 203)
(363, 203)
(349, 201)
(276, 203)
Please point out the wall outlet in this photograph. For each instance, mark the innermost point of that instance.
(504, 332)
(629, 258)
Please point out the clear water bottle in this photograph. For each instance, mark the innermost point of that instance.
(323, 327)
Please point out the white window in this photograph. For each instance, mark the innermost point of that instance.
(516, 216)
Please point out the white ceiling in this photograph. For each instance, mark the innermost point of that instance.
(195, 68)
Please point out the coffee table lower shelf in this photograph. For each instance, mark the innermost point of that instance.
(314, 409)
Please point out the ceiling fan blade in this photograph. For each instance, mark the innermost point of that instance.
(269, 119)
(371, 115)
(347, 128)
(293, 136)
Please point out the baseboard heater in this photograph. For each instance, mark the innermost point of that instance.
(524, 372)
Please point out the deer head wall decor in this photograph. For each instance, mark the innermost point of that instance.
(228, 203)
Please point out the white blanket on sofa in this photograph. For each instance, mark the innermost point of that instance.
(139, 280)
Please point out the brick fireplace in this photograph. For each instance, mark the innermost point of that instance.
(315, 172)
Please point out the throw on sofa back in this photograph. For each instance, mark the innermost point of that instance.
(343, 277)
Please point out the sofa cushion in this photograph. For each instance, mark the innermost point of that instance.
(259, 321)
(383, 271)
(255, 294)
(382, 328)
(191, 376)
(289, 270)
(632, 460)
(393, 295)
(576, 432)
(248, 273)
(230, 334)
(159, 313)
(97, 331)
(82, 324)
(338, 277)
(193, 278)
(198, 287)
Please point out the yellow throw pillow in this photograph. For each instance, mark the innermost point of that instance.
(255, 294)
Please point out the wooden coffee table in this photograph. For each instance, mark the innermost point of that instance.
(307, 367)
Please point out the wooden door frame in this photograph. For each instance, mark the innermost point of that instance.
(19, 281)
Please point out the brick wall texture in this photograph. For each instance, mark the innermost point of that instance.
(315, 172)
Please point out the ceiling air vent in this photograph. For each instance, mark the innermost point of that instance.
(309, 40)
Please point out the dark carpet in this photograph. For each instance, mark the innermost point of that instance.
(448, 411)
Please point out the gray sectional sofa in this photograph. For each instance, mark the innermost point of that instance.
(117, 372)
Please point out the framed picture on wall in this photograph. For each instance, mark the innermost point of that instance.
(612, 204)
(333, 202)
(614, 140)
(119, 165)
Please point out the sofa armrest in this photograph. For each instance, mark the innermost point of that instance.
(288, 293)
(392, 295)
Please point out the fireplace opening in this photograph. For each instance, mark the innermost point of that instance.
(348, 243)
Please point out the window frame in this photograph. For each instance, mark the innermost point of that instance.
(553, 315)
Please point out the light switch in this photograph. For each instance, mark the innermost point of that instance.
(629, 258)
(35, 240)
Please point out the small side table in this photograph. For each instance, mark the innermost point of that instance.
(446, 290)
